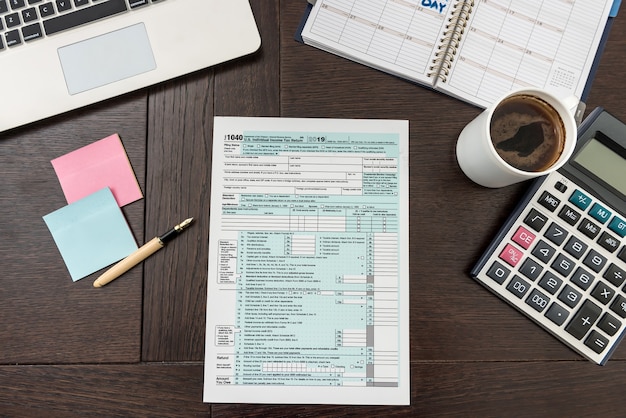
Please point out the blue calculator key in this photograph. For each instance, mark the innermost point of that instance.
(580, 199)
(600, 213)
(618, 226)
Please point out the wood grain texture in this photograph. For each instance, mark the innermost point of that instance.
(439, 389)
(44, 316)
(471, 354)
(180, 128)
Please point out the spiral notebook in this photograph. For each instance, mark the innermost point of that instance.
(474, 50)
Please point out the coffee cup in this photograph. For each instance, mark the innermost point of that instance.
(525, 134)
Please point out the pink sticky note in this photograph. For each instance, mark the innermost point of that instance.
(93, 167)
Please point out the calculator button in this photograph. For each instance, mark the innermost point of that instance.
(511, 255)
(543, 251)
(608, 242)
(584, 319)
(498, 272)
(557, 314)
(548, 201)
(556, 234)
(580, 199)
(537, 300)
(582, 278)
(569, 215)
(563, 265)
(619, 306)
(575, 247)
(618, 226)
(622, 254)
(603, 293)
(600, 213)
(596, 341)
(609, 324)
(523, 237)
(569, 296)
(589, 228)
(594, 261)
(531, 269)
(518, 286)
(560, 187)
(615, 275)
(535, 219)
(550, 282)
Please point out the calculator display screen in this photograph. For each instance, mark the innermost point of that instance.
(604, 163)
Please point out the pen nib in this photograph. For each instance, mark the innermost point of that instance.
(184, 224)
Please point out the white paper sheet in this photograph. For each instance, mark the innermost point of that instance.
(308, 262)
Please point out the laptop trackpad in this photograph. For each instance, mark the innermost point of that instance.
(106, 58)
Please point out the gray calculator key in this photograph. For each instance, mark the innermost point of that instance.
(615, 275)
(622, 254)
(549, 201)
(535, 219)
(563, 265)
(619, 306)
(596, 341)
(498, 272)
(569, 296)
(518, 286)
(575, 247)
(584, 319)
(557, 314)
(531, 269)
(537, 300)
(543, 251)
(582, 278)
(608, 242)
(589, 228)
(594, 260)
(550, 282)
(569, 215)
(609, 324)
(556, 233)
(603, 293)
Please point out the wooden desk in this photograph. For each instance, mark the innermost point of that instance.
(135, 348)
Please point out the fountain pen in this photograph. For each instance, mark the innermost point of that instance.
(141, 254)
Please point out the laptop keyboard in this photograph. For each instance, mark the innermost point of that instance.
(25, 21)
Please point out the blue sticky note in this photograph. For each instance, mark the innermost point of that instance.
(91, 233)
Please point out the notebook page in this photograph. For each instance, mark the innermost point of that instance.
(395, 36)
(549, 44)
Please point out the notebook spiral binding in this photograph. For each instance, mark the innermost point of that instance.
(451, 38)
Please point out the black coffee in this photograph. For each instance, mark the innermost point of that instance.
(527, 133)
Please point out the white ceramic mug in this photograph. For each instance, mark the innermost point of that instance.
(478, 158)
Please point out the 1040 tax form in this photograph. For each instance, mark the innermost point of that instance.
(308, 262)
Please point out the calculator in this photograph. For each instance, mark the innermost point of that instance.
(560, 258)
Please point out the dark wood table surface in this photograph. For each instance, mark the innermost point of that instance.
(136, 347)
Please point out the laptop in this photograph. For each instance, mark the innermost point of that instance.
(59, 55)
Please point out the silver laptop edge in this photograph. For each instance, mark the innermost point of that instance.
(129, 51)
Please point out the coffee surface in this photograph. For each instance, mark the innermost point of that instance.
(527, 133)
